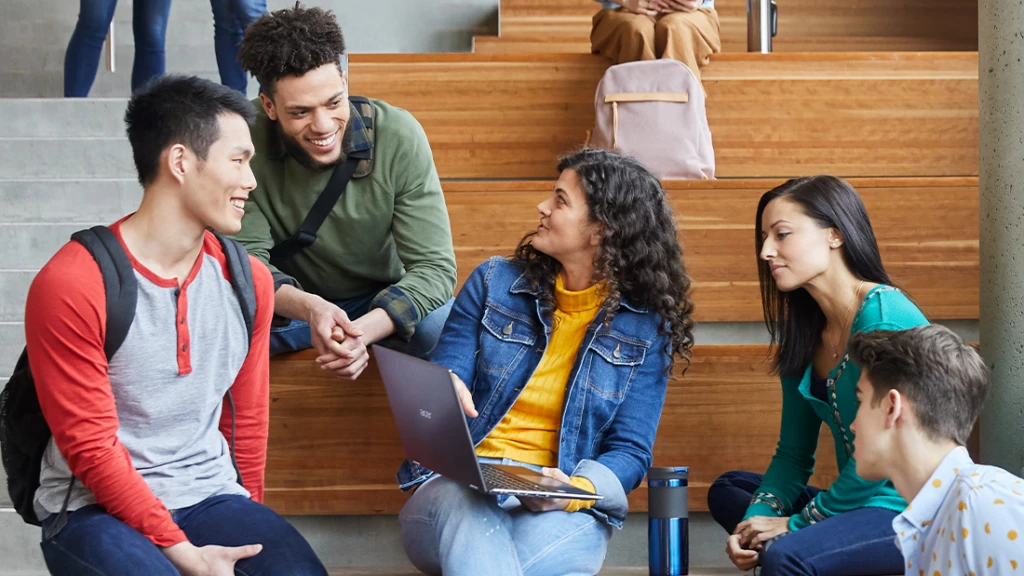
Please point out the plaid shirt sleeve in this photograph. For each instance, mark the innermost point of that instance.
(401, 309)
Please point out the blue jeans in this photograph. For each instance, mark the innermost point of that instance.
(149, 25)
(857, 543)
(450, 529)
(295, 335)
(96, 543)
(230, 19)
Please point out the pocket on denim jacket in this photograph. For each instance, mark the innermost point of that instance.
(613, 365)
(510, 333)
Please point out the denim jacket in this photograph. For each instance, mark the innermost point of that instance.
(494, 339)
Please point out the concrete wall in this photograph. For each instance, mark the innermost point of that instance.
(34, 35)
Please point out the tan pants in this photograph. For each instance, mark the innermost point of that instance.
(690, 37)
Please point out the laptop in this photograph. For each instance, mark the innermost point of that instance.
(434, 433)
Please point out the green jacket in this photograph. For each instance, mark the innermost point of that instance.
(388, 235)
(883, 308)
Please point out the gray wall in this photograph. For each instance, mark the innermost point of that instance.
(1001, 121)
(35, 33)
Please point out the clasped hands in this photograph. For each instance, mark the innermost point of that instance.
(750, 536)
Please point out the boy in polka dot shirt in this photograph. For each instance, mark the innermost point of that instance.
(920, 392)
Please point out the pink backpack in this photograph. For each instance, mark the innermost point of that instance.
(653, 110)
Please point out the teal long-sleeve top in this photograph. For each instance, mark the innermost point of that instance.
(883, 308)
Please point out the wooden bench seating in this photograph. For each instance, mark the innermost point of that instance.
(777, 115)
(551, 26)
(334, 448)
(933, 255)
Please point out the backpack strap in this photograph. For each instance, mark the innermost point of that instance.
(241, 279)
(240, 271)
(306, 235)
(122, 290)
(122, 294)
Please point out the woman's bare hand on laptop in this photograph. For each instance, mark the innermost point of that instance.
(465, 396)
(547, 504)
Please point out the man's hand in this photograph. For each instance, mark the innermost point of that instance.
(336, 339)
(667, 6)
(465, 396)
(323, 317)
(754, 532)
(743, 558)
(208, 560)
(645, 7)
(351, 361)
(547, 504)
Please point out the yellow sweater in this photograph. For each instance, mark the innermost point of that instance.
(530, 431)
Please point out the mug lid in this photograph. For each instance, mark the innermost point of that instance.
(668, 473)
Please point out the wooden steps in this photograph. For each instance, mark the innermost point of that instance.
(557, 26)
(334, 448)
(926, 255)
(778, 115)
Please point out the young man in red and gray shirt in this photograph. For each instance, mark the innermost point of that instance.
(145, 435)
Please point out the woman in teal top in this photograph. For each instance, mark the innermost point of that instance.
(821, 281)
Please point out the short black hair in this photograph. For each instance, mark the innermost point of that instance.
(178, 110)
(290, 42)
(945, 379)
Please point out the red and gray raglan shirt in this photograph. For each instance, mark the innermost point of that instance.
(149, 431)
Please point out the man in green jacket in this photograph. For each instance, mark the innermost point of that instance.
(382, 266)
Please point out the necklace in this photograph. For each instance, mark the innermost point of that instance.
(842, 328)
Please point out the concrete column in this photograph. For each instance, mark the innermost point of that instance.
(1001, 162)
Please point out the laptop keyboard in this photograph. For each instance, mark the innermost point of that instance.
(498, 478)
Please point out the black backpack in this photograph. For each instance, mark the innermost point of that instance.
(24, 433)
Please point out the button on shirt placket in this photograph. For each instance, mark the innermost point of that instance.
(183, 355)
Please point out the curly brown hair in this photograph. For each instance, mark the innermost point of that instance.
(290, 42)
(639, 259)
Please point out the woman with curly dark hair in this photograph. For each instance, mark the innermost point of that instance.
(566, 349)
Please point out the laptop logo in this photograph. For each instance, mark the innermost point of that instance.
(426, 414)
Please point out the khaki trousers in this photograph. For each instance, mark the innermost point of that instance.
(690, 37)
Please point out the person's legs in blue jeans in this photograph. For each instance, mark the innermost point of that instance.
(730, 494)
(94, 542)
(82, 58)
(149, 25)
(857, 543)
(230, 19)
(854, 543)
(233, 520)
(452, 529)
(565, 543)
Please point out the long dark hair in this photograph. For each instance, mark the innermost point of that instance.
(639, 258)
(794, 319)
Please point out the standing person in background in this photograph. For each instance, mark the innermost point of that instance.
(230, 19)
(149, 25)
(684, 30)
